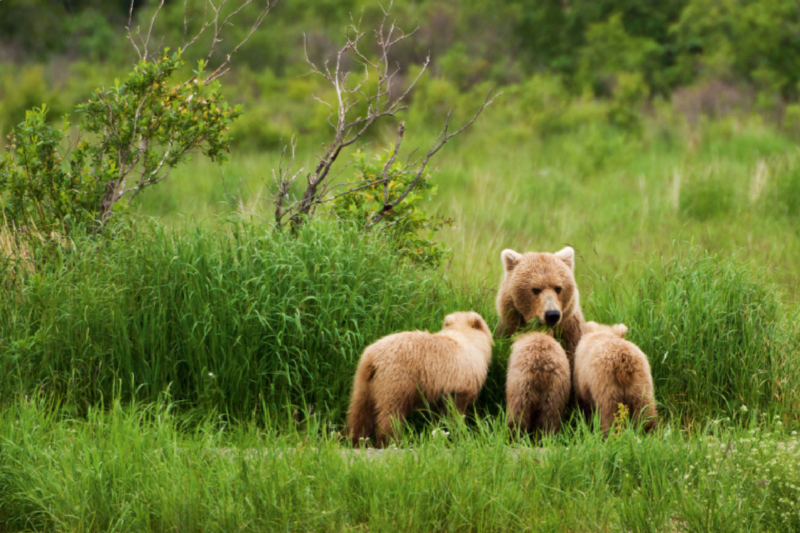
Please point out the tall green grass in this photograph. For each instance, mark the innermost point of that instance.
(718, 338)
(130, 469)
(237, 318)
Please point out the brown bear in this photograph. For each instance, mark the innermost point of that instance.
(538, 384)
(402, 372)
(541, 286)
(609, 371)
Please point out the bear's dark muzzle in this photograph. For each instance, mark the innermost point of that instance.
(552, 317)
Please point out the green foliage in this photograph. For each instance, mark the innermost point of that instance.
(669, 43)
(707, 196)
(782, 198)
(38, 189)
(545, 104)
(629, 94)
(717, 339)
(572, 39)
(236, 320)
(21, 91)
(135, 468)
(133, 134)
(756, 40)
(609, 51)
(409, 229)
(42, 27)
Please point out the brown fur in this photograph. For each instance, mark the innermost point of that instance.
(538, 384)
(402, 372)
(553, 275)
(609, 371)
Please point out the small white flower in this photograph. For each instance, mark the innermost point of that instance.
(211, 374)
(743, 408)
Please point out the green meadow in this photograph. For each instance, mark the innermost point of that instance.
(193, 372)
(188, 368)
(730, 186)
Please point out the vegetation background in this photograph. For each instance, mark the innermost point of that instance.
(191, 369)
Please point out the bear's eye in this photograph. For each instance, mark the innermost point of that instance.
(537, 291)
(558, 290)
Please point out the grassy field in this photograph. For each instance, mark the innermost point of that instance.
(131, 469)
(193, 372)
(731, 187)
(189, 368)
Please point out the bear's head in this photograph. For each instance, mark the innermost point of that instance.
(467, 321)
(618, 330)
(541, 285)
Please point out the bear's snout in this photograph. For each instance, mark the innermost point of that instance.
(551, 317)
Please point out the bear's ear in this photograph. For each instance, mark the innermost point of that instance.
(568, 256)
(590, 327)
(477, 323)
(620, 329)
(448, 321)
(510, 259)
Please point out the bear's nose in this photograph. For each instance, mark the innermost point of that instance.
(552, 317)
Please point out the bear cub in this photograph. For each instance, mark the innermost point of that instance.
(540, 286)
(609, 371)
(403, 371)
(538, 384)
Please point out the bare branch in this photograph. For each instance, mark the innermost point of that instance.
(284, 179)
(400, 131)
(223, 68)
(437, 145)
(373, 94)
(354, 189)
(146, 40)
(128, 30)
(200, 32)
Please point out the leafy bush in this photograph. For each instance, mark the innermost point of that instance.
(610, 51)
(134, 133)
(629, 94)
(718, 340)
(409, 229)
(40, 192)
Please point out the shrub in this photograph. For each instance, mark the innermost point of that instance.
(718, 340)
(40, 192)
(134, 134)
(408, 228)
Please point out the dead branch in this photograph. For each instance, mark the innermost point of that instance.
(437, 145)
(143, 53)
(219, 26)
(349, 125)
(284, 178)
